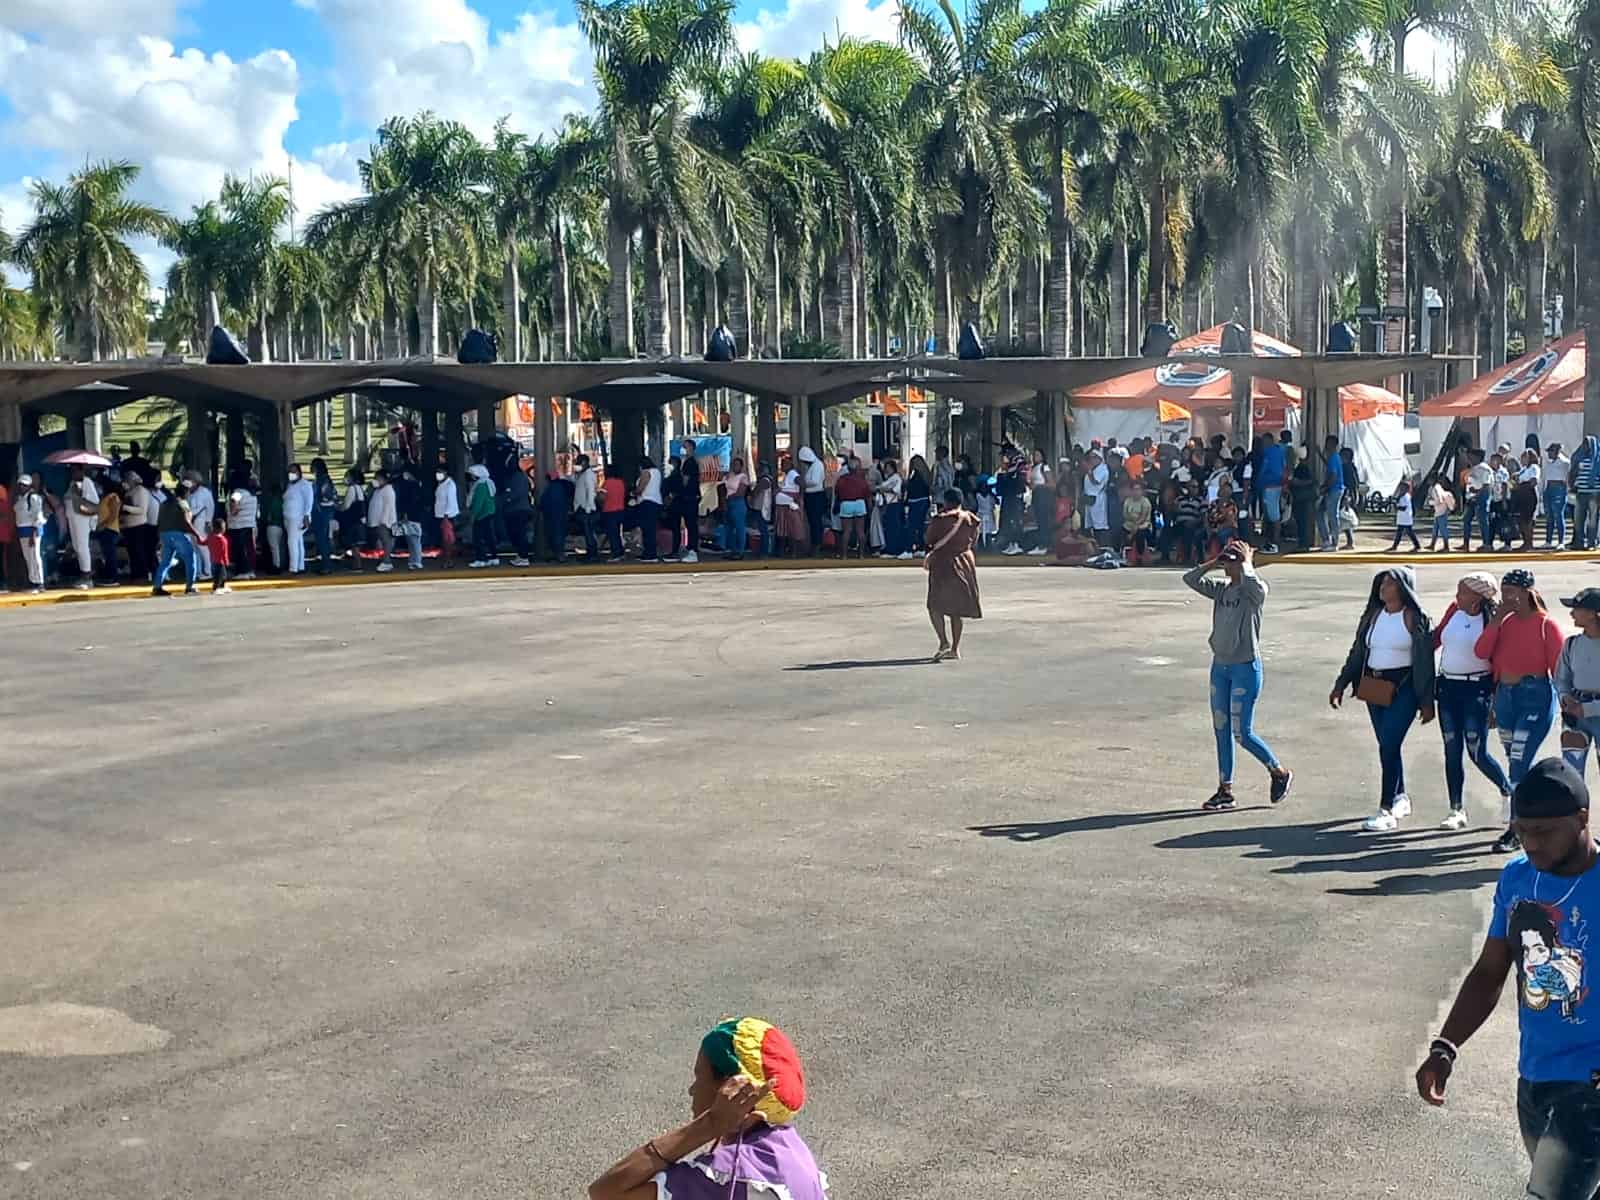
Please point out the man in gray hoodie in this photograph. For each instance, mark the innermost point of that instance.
(1236, 667)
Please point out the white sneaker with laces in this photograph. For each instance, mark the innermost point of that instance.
(385, 568)
(1012, 549)
(1038, 551)
(1457, 820)
(1401, 807)
(1380, 822)
(519, 562)
(690, 557)
(905, 556)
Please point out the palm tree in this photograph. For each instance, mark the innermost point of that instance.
(256, 208)
(202, 244)
(84, 271)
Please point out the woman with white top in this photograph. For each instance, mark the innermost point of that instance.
(1390, 667)
(1554, 474)
(1465, 691)
(794, 535)
(27, 509)
(736, 523)
(1525, 497)
(892, 509)
(353, 516)
(647, 509)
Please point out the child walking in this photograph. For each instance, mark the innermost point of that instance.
(1442, 503)
(221, 562)
(1404, 518)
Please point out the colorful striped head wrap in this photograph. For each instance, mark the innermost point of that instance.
(1518, 577)
(753, 1047)
(1482, 583)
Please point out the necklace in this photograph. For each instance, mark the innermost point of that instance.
(1539, 875)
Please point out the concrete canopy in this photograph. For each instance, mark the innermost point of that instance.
(638, 392)
(779, 379)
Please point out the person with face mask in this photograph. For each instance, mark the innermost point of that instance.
(202, 511)
(446, 508)
(299, 498)
(27, 509)
(83, 513)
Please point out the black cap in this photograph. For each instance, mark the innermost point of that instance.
(1550, 789)
(1588, 598)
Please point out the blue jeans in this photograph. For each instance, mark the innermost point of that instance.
(1479, 505)
(894, 526)
(1235, 687)
(414, 547)
(590, 524)
(1560, 1124)
(1464, 725)
(1555, 513)
(1441, 528)
(917, 522)
(177, 547)
(1578, 757)
(1391, 723)
(322, 530)
(1524, 713)
(1586, 509)
(614, 532)
(737, 526)
(1328, 517)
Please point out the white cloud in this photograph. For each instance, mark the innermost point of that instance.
(92, 16)
(801, 26)
(402, 56)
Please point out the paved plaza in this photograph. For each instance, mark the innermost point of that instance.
(430, 892)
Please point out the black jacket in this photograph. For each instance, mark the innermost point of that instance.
(1421, 637)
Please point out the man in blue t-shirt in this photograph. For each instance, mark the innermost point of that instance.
(1333, 482)
(1541, 927)
(1269, 477)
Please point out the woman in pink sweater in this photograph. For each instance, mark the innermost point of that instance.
(1522, 648)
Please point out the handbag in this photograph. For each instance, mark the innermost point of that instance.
(1376, 691)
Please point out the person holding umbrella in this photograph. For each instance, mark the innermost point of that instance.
(83, 513)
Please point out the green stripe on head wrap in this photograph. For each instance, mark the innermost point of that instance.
(717, 1046)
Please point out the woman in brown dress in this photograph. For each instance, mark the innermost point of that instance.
(952, 572)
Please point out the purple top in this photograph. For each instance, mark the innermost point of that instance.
(769, 1161)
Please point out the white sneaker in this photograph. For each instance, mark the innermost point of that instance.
(519, 562)
(1380, 822)
(905, 555)
(1401, 807)
(690, 557)
(385, 567)
(414, 566)
(1038, 552)
(1457, 820)
(477, 562)
(1012, 549)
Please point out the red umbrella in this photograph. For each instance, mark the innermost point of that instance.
(77, 458)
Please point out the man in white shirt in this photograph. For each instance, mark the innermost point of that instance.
(83, 515)
(584, 489)
(298, 499)
(446, 507)
(812, 482)
(1095, 481)
(1554, 477)
(202, 511)
(1480, 491)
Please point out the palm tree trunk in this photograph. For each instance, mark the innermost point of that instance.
(390, 329)
(1533, 297)
(655, 286)
(941, 300)
(1117, 300)
(428, 311)
(739, 303)
(560, 297)
(1031, 322)
(772, 297)
(511, 304)
(1588, 238)
(1155, 297)
(1499, 304)
(619, 295)
(1007, 332)
(1308, 284)
(680, 307)
(835, 279)
(855, 317)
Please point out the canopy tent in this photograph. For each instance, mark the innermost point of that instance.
(1540, 393)
(1156, 401)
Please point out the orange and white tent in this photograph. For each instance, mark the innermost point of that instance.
(1538, 393)
(1154, 401)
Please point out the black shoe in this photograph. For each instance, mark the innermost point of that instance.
(159, 591)
(191, 591)
(1220, 801)
(1280, 786)
(1507, 843)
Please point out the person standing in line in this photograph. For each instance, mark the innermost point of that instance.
(1586, 491)
(813, 483)
(1042, 499)
(1236, 675)
(1404, 518)
(27, 510)
(647, 509)
(83, 511)
(1554, 476)
(481, 508)
(891, 508)
(761, 506)
(382, 515)
(1268, 483)
(736, 528)
(409, 507)
(554, 514)
(952, 573)
(1524, 502)
(516, 510)
(202, 511)
(243, 516)
(919, 499)
(1390, 667)
(793, 534)
(324, 506)
(684, 509)
(944, 472)
(1578, 680)
(1479, 490)
(1303, 505)
(1441, 503)
(852, 493)
(1096, 479)
(108, 523)
(613, 509)
(446, 510)
(299, 498)
(1464, 690)
(1500, 520)
(585, 503)
(178, 538)
(1522, 647)
(1540, 923)
(138, 529)
(353, 515)
(1333, 487)
(216, 543)
(146, 472)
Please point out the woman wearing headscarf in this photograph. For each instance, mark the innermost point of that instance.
(952, 573)
(1522, 647)
(1464, 690)
(793, 533)
(1390, 666)
(740, 1143)
(813, 483)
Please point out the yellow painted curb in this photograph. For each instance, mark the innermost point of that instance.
(1334, 558)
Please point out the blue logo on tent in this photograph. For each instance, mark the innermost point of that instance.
(1523, 376)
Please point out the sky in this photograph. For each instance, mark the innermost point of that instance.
(192, 90)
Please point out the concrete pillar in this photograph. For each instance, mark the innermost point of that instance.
(10, 422)
(349, 427)
(813, 426)
(235, 434)
(363, 431)
(286, 437)
(455, 450)
(655, 434)
(30, 425)
(738, 426)
(627, 441)
(767, 430)
(486, 422)
(430, 442)
(544, 438)
(76, 438)
(198, 438)
(1055, 446)
(994, 425)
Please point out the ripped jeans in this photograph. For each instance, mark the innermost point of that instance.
(1578, 756)
(1235, 688)
(1524, 712)
(1464, 725)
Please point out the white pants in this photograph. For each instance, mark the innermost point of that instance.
(81, 528)
(31, 556)
(275, 546)
(294, 529)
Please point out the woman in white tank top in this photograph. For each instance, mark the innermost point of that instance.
(1465, 691)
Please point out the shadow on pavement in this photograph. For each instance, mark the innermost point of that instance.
(1038, 831)
(850, 664)
(1423, 885)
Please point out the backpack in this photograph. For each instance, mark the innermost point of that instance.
(224, 349)
(1158, 339)
(478, 347)
(721, 347)
(1342, 338)
(1236, 339)
(970, 347)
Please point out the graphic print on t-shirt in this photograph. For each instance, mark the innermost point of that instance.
(1549, 971)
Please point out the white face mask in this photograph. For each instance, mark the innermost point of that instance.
(440, 476)
(294, 476)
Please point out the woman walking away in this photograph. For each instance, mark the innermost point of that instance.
(1404, 517)
(1390, 666)
(852, 493)
(1522, 647)
(952, 573)
(1465, 691)
(1578, 680)
(1441, 502)
(647, 509)
(1236, 667)
(748, 1087)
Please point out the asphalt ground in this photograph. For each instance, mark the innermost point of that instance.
(430, 891)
